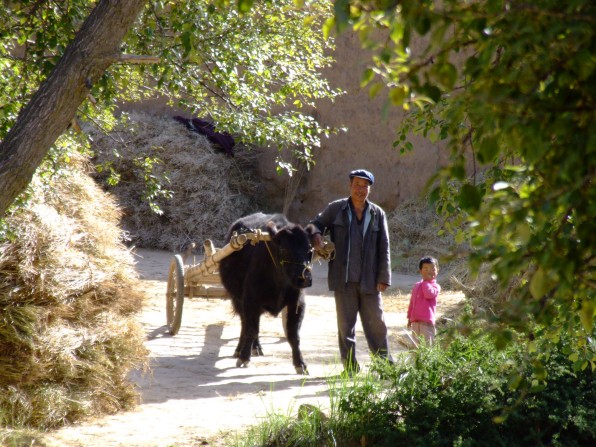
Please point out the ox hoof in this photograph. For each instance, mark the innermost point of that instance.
(302, 370)
(242, 363)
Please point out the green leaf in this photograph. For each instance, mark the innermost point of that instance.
(187, 38)
(538, 370)
(367, 76)
(432, 91)
(328, 27)
(586, 315)
(458, 171)
(375, 89)
(245, 5)
(445, 74)
(488, 150)
(397, 31)
(460, 237)
(469, 197)
(422, 23)
(514, 381)
(398, 95)
(342, 14)
(523, 232)
(538, 284)
(434, 196)
(386, 55)
(499, 419)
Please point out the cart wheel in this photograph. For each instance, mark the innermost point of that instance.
(175, 294)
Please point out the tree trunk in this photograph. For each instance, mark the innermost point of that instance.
(52, 107)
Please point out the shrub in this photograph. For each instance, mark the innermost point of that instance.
(463, 394)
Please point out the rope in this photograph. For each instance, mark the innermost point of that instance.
(270, 254)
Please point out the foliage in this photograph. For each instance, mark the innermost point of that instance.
(256, 73)
(511, 87)
(455, 395)
(462, 395)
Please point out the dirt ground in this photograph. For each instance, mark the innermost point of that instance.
(195, 393)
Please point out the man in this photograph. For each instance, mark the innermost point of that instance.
(361, 268)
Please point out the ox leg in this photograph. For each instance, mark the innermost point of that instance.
(250, 334)
(242, 338)
(257, 350)
(294, 322)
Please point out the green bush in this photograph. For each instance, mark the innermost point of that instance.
(468, 393)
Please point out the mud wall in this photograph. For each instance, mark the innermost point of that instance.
(367, 143)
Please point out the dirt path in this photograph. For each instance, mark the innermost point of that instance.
(195, 392)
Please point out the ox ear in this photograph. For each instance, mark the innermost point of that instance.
(271, 228)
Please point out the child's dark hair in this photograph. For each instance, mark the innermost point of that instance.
(428, 260)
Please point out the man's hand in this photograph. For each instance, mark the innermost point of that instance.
(381, 287)
(317, 241)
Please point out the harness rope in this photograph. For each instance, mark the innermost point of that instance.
(283, 261)
(270, 254)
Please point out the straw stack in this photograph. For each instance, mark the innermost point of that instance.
(209, 189)
(68, 336)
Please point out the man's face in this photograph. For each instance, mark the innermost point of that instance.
(359, 189)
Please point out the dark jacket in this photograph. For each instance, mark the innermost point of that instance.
(335, 218)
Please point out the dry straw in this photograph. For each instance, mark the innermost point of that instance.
(414, 231)
(210, 190)
(68, 335)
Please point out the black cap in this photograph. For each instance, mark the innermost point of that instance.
(363, 173)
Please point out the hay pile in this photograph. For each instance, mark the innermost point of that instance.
(413, 228)
(68, 337)
(413, 231)
(209, 189)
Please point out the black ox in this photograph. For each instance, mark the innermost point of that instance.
(267, 277)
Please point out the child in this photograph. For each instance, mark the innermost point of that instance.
(423, 302)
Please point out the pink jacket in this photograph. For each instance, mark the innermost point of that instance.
(423, 302)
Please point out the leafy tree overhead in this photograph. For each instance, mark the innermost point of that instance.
(511, 87)
(252, 68)
(33, 41)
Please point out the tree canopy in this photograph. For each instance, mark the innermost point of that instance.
(254, 69)
(510, 86)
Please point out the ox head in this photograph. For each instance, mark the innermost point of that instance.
(292, 253)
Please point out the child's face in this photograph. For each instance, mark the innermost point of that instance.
(429, 271)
